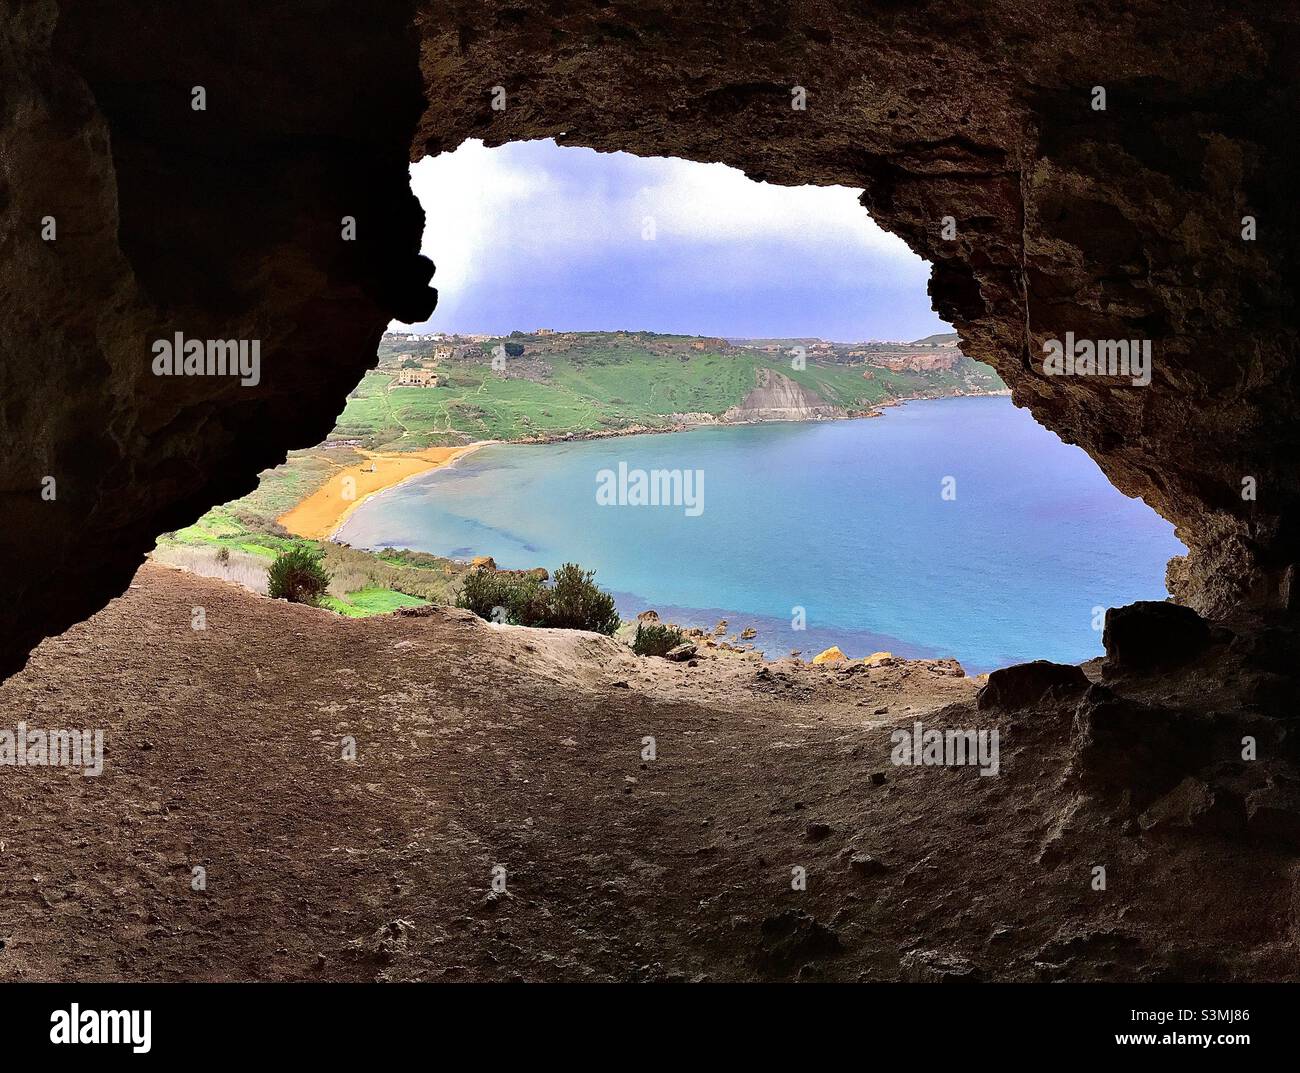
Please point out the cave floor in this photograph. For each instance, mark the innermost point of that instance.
(479, 746)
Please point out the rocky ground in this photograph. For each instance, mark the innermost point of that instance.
(480, 745)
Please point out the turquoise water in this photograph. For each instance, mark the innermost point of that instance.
(844, 519)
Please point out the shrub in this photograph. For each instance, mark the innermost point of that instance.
(298, 576)
(653, 639)
(484, 591)
(573, 602)
(576, 603)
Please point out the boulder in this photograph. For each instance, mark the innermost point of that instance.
(1150, 634)
(830, 655)
(681, 653)
(1139, 750)
(793, 937)
(1026, 684)
(863, 864)
(648, 616)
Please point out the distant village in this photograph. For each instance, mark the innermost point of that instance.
(414, 358)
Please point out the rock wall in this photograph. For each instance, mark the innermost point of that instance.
(222, 223)
(226, 223)
(778, 398)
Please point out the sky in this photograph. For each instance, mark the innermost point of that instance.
(534, 235)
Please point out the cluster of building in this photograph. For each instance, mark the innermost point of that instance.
(416, 378)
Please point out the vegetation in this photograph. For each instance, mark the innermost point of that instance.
(656, 639)
(500, 597)
(600, 380)
(365, 602)
(240, 543)
(297, 575)
(576, 603)
(572, 602)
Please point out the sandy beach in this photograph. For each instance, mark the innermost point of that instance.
(319, 516)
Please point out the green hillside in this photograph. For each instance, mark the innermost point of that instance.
(591, 382)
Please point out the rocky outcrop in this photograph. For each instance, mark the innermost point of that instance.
(975, 131)
(778, 398)
(922, 363)
(128, 214)
(1151, 634)
(1027, 684)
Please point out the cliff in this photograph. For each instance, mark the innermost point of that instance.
(778, 398)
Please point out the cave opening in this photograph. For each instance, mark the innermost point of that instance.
(1067, 220)
(425, 795)
(870, 488)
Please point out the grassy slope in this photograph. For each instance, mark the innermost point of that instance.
(607, 386)
(371, 601)
(363, 584)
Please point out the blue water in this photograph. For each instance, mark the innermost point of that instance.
(844, 519)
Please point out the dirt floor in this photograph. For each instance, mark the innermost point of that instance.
(480, 746)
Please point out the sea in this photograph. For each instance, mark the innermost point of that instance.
(944, 528)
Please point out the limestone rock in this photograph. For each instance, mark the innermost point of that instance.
(1026, 684)
(1150, 634)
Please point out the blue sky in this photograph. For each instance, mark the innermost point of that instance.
(533, 235)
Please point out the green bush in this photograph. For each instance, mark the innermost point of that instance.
(655, 639)
(572, 602)
(298, 576)
(499, 597)
(576, 603)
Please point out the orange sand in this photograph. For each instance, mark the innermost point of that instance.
(319, 516)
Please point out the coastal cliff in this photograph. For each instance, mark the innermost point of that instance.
(778, 398)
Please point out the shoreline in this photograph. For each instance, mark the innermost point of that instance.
(396, 468)
(322, 514)
(877, 410)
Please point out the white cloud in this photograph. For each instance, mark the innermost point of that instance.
(484, 206)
